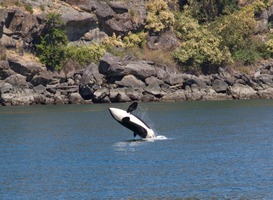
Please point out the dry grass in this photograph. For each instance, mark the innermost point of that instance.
(159, 57)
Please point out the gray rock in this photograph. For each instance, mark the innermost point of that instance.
(42, 79)
(178, 95)
(107, 64)
(219, 86)
(153, 90)
(23, 26)
(6, 88)
(174, 79)
(112, 66)
(40, 89)
(130, 81)
(239, 91)
(26, 68)
(77, 23)
(118, 8)
(75, 98)
(265, 79)
(153, 81)
(148, 98)
(166, 41)
(99, 95)
(18, 97)
(101, 9)
(95, 35)
(17, 80)
(266, 93)
(91, 75)
(120, 25)
(87, 91)
(134, 95)
(118, 95)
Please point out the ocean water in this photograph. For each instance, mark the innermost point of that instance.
(204, 150)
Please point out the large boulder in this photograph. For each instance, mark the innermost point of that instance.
(219, 86)
(22, 26)
(240, 91)
(174, 79)
(91, 75)
(130, 81)
(118, 95)
(10, 95)
(101, 9)
(25, 67)
(112, 66)
(91, 80)
(77, 23)
(101, 96)
(120, 25)
(178, 95)
(166, 41)
(17, 80)
(266, 93)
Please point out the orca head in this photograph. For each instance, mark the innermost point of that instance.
(118, 114)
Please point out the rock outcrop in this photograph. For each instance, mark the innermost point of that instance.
(25, 81)
(118, 80)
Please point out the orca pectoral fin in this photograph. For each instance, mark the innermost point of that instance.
(135, 134)
(132, 107)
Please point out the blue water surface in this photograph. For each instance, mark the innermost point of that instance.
(213, 150)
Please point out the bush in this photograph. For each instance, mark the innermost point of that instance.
(200, 50)
(51, 50)
(208, 10)
(135, 40)
(131, 40)
(235, 29)
(85, 54)
(159, 17)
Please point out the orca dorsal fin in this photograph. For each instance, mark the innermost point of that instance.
(132, 107)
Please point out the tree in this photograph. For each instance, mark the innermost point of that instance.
(51, 50)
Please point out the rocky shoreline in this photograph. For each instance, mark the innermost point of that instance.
(125, 80)
(25, 81)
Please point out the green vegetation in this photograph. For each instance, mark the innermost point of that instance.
(159, 17)
(85, 54)
(51, 50)
(200, 49)
(211, 33)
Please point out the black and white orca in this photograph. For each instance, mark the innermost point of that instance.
(127, 119)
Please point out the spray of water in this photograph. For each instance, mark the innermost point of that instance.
(142, 114)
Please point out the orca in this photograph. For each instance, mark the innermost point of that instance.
(130, 121)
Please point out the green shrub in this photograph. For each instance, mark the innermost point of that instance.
(159, 17)
(208, 10)
(135, 40)
(200, 50)
(236, 29)
(85, 54)
(51, 50)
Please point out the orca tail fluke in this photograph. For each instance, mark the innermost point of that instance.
(132, 107)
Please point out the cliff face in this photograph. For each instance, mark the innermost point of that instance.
(25, 81)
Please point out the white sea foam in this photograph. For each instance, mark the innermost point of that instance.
(130, 145)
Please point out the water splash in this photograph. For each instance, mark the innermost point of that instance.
(133, 144)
